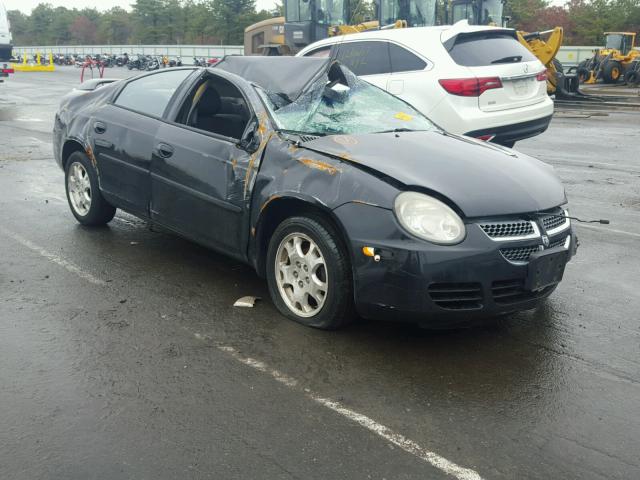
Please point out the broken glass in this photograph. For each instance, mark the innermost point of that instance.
(345, 106)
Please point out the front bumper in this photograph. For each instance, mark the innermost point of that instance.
(437, 286)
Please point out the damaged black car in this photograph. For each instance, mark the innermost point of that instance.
(344, 197)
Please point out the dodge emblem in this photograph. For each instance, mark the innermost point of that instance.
(545, 241)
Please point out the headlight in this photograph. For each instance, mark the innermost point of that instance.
(428, 218)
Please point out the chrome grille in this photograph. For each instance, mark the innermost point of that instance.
(517, 228)
(558, 242)
(552, 222)
(519, 254)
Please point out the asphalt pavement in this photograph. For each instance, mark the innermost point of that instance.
(122, 356)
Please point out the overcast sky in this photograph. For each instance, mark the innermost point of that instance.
(27, 5)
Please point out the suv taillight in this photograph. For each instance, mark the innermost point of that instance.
(542, 76)
(470, 87)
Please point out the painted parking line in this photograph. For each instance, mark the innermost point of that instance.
(53, 258)
(441, 463)
(608, 230)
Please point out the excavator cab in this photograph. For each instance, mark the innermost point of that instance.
(307, 21)
(623, 42)
(478, 12)
(416, 13)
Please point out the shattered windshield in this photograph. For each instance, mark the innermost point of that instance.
(345, 106)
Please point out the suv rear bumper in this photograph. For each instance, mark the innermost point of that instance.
(512, 133)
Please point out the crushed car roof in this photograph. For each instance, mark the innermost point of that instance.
(287, 76)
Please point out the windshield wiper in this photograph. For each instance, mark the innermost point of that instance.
(396, 130)
(512, 59)
(298, 132)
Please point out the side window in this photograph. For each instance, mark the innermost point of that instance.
(365, 58)
(151, 94)
(319, 52)
(402, 60)
(216, 106)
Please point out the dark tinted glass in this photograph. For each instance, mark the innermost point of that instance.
(402, 60)
(478, 50)
(151, 94)
(364, 58)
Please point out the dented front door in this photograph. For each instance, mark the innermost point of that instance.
(195, 188)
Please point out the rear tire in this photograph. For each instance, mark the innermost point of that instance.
(612, 72)
(83, 192)
(309, 273)
(632, 78)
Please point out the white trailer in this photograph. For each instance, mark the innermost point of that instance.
(5, 36)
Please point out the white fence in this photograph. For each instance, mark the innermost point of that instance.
(569, 56)
(572, 56)
(184, 51)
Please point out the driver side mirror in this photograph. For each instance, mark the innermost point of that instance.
(250, 140)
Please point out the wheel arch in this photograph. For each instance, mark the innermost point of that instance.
(278, 208)
(71, 146)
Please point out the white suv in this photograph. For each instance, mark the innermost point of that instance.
(476, 81)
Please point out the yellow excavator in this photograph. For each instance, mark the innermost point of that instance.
(616, 60)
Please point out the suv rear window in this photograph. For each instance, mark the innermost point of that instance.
(480, 49)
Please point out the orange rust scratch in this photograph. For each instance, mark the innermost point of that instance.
(89, 152)
(319, 165)
(263, 143)
(269, 200)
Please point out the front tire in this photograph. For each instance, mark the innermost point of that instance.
(83, 192)
(612, 71)
(309, 273)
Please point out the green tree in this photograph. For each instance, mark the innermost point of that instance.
(114, 26)
(19, 27)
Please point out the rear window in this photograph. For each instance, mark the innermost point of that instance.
(487, 48)
(151, 94)
(402, 60)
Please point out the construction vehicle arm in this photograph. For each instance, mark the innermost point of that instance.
(545, 46)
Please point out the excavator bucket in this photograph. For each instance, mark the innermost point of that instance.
(545, 46)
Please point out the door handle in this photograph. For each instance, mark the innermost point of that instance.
(164, 150)
(99, 127)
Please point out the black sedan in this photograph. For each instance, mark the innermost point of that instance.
(344, 197)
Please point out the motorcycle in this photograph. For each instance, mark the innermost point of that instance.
(138, 62)
(177, 62)
(122, 60)
(153, 64)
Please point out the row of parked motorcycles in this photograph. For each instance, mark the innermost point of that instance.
(133, 62)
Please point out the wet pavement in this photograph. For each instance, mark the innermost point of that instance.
(121, 355)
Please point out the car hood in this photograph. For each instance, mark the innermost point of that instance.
(481, 179)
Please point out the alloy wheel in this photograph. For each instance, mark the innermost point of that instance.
(79, 187)
(301, 274)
